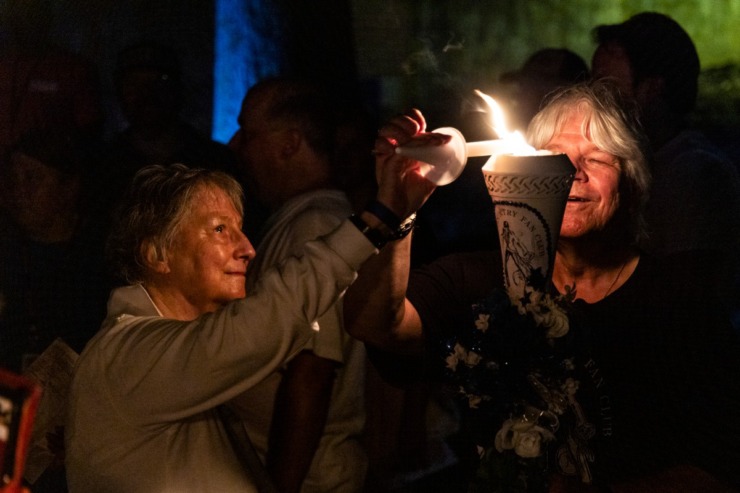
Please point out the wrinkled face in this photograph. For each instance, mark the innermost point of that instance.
(594, 196)
(209, 258)
(257, 146)
(611, 61)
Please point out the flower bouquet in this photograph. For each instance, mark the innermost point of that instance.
(512, 367)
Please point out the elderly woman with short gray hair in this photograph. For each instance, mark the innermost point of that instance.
(183, 337)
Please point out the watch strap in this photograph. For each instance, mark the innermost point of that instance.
(382, 212)
(374, 235)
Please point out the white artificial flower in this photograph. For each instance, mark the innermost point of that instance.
(474, 400)
(472, 358)
(557, 323)
(546, 313)
(525, 437)
(460, 352)
(482, 322)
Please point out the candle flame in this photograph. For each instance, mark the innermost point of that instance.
(499, 125)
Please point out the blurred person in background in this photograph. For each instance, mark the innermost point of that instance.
(305, 420)
(42, 85)
(150, 93)
(53, 280)
(695, 197)
(544, 72)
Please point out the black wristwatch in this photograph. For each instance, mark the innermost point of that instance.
(379, 238)
(399, 228)
(376, 236)
(403, 229)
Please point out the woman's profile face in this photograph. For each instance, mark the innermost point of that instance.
(208, 261)
(594, 196)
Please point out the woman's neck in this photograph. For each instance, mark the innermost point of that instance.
(172, 303)
(593, 270)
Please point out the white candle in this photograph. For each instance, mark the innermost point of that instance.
(491, 147)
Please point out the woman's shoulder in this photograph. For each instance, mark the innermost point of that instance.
(695, 269)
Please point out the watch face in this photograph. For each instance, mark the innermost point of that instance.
(405, 228)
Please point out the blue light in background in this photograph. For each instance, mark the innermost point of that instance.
(246, 50)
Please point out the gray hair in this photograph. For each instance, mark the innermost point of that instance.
(613, 127)
(156, 203)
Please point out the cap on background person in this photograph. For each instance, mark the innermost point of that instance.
(550, 65)
(544, 71)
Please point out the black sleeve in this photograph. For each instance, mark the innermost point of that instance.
(442, 293)
(698, 359)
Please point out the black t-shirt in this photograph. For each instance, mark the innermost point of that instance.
(661, 356)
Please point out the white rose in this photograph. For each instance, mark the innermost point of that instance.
(527, 443)
(557, 323)
(524, 436)
(503, 437)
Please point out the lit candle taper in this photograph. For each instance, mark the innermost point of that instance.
(444, 163)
